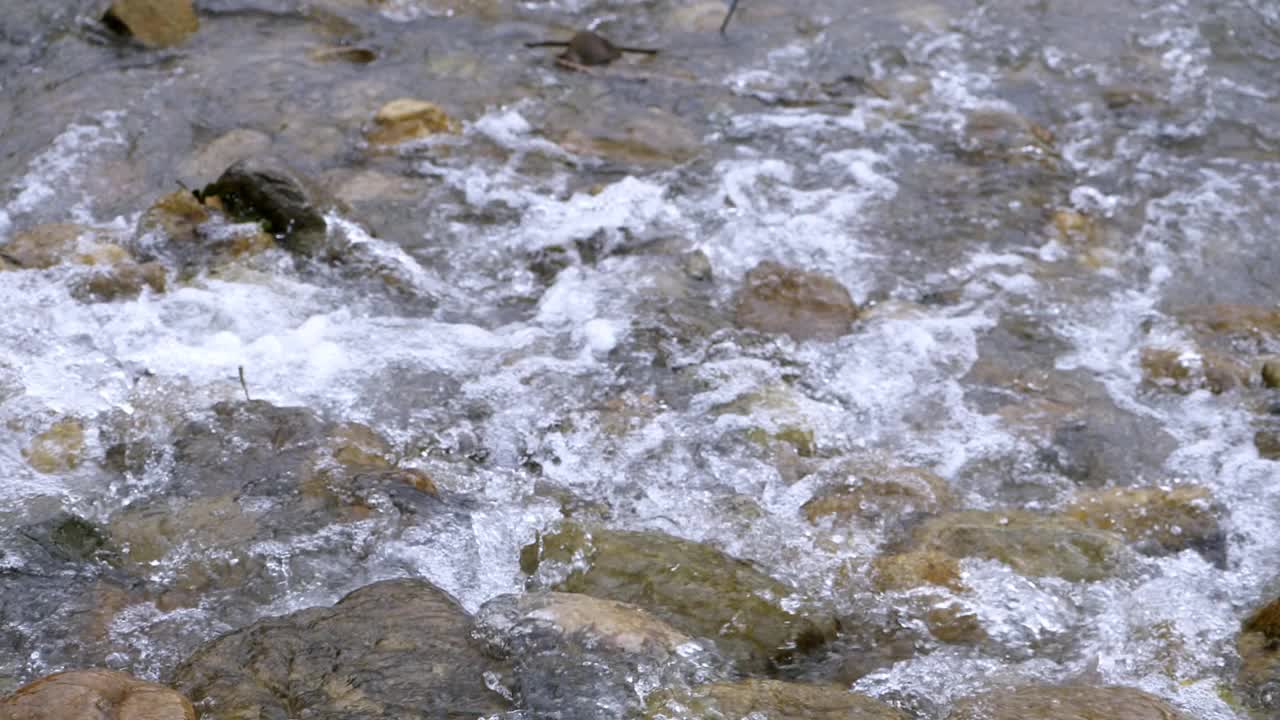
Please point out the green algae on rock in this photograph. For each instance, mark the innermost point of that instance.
(85, 694)
(1030, 543)
(772, 699)
(698, 589)
(388, 648)
(1065, 703)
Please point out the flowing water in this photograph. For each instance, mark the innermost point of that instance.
(1023, 196)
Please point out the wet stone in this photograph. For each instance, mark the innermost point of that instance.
(384, 650)
(409, 119)
(93, 694)
(155, 23)
(771, 699)
(45, 246)
(1259, 647)
(183, 231)
(805, 305)
(58, 449)
(580, 656)
(875, 493)
(1032, 544)
(122, 282)
(265, 189)
(1158, 521)
(698, 589)
(1065, 703)
(228, 148)
(906, 571)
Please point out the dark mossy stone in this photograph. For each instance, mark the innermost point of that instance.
(396, 648)
(698, 589)
(266, 190)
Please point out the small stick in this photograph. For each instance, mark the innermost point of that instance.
(243, 385)
(725, 25)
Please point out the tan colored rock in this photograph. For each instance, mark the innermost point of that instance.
(155, 23)
(1271, 373)
(702, 16)
(647, 136)
(1032, 544)
(805, 305)
(876, 490)
(45, 246)
(95, 695)
(57, 449)
(125, 281)
(772, 699)
(1165, 520)
(1250, 321)
(1188, 371)
(409, 119)
(906, 571)
(1065, 703)
(617, 625)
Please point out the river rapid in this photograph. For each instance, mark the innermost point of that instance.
(1057, 221)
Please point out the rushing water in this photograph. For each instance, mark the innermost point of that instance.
(545, 337)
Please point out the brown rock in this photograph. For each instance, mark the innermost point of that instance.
(1160, 520)
(1031, 544)
(408, 119)
(57, 449)
(1271, 373)
(910, 570)
(1259, 647)
(121, 282)
(1065, 703)
(877, 490)
(45, 246)
(155, 23)
(397, 648)
(771, 699)
(95, 695)
(805, 305)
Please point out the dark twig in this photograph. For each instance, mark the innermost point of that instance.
(243, 385)
(725, 25)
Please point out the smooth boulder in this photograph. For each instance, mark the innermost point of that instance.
(1065, 703)
(154, 23)
(267, 190)
(396, 648)
(94, 695)
(805, 305)
(695, 587)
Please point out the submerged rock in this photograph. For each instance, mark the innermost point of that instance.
(805, 305)
(182, 230)
(698, 589)
(1259, 647)
(875, 493)
(1160, 521)
(386, 650)
(408, 119)
(1029, 543)
(1065, 703)
(770, 699)
(45, 246)
(57, 449)
(265, 189)
(155, 23)
(580, 656)
(93, 694)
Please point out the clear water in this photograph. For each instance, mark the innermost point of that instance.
(828, 137)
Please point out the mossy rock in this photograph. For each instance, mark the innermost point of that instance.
(407, 119)
(1259, 647)
(1159, 520)
(698, 589)
(1065, 703)
(154, 23)
(58, 449)
(1032, 544)
(873, 491)
(910, 570)
(771, 699)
